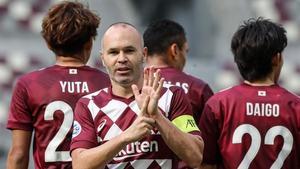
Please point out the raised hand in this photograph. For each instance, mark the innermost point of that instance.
(142, 125)
(152, 86)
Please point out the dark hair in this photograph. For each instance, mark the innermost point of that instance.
(68, 26)
(161, 34)
(254, 45)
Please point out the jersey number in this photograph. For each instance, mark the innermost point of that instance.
(51, 155)
(269, 140)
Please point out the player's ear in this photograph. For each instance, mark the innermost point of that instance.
(174, 49)
(277, 59)
(145, 54)
(175, 52)
(101, 58)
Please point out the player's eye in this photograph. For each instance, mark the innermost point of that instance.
(129, 50)
(113, 52)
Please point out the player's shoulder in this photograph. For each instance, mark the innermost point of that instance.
(289, 94)
(171, 90)
(171, 87)
(225, 93)
(27, 77)
(194, 81)
(226, 90)
(99, 94)
(93, 69)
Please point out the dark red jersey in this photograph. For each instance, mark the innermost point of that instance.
(43, 101)
(101, 116)
(252, 127)
(197, 91)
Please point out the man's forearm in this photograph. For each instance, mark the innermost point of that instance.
(17, 163)
(186, 146)
(99, 156)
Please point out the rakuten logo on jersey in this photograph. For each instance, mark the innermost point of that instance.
(136, 149)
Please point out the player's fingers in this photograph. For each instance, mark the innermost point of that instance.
(159, 88)
(135, 90)
(157, 77)
(151, 76)
(150, 122)
(144, 107)
(146, 76)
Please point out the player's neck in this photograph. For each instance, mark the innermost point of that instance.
(267, 82)
(156, 62)
(124, 91)
(68, 61)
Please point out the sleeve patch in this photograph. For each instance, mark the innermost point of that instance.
(76, 129)
(185, 123)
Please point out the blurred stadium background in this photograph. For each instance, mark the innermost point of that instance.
(209, 25)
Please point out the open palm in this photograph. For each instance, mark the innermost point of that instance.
(152, 86)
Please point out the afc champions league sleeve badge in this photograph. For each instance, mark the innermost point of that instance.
(76, 129)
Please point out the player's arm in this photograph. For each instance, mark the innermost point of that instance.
(210, 135)
(186, 146)
(18, 156)
(101, 155)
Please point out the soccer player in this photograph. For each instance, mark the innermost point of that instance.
(254, 124)
(113, 130)
(167, 50)
(43, 101)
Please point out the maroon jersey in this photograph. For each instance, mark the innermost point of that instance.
(197, 91)
(252, 127)
(43, 101)
(101, 116)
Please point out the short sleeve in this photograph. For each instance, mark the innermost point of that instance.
(84, 134)
(199, 96)
(181, 113)
(210, 135)
(20, 116)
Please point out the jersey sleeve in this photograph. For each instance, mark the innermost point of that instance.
(20, 117)
(181, 113)
(210, 134)
(84, 134)
(199, 96)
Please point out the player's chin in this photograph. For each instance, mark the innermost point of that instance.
(124, 80)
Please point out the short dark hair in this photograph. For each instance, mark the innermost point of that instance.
(68, 26)
(161, 34)
(254, 45)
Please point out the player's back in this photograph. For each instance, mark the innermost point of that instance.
(257, 127)
(44, 101)
(197, 90)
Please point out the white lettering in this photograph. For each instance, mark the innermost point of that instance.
(63, 86)
(184, 86)
(77, 84)
(70, 87)
(262, 109)
(85, 88)
(74, 87)
(138, 148)
(145, 146)
(249, 109)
